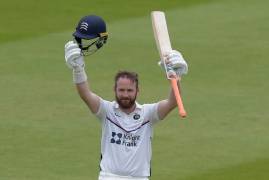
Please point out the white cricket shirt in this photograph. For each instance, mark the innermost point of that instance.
(126, 138)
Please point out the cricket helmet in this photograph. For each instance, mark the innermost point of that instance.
(93, 28)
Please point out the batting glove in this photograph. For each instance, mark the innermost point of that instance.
(175, 63)
(75, 60)
(73, 56)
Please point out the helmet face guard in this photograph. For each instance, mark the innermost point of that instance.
(90, 46)
(90, 34)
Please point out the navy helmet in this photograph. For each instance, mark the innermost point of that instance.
(92, 28)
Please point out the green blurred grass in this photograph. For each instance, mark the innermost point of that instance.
(24, 19)
(46, 132)
(257, 169)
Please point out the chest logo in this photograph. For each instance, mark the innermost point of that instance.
(126, 139)
(116, 138)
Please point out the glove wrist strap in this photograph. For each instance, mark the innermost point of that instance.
(79, 76)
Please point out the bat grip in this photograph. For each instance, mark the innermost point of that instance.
(180, 105)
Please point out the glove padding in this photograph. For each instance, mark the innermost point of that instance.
(73, 57)
(175, 63)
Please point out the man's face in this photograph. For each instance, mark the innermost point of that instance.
(125, 92)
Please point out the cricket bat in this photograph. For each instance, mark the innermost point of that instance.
(164, 46)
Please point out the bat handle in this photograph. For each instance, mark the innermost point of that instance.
(180, 105)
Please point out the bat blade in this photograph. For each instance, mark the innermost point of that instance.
(161, 33)
(163, 43)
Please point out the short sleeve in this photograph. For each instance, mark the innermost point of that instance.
(102, 111)
(151, 112)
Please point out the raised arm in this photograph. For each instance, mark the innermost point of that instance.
(91, 99)
(175, 66)
(75, 61)
(167, 105)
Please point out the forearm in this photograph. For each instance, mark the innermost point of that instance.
(83, 90)
(172, 96)
(167, 105)
(80, 80)
(75, 61)
(90, 99)
(171, 99)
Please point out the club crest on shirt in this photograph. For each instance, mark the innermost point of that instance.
(136, 116)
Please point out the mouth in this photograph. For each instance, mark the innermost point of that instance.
(125, 100)
(125, 103)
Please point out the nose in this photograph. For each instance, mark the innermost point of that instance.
(125, 94)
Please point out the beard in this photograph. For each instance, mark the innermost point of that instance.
(125, 103)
